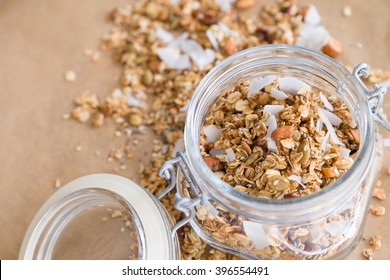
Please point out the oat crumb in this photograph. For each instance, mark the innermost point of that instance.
(104, 219)
(66, 116)
(379, 193)
(368, 253)
(57, 183)
(118, 133)
(70, 76)
(347, 11)
(78, 148)
(377, 210)
(87, 52)
(376, 241)
(93, 56)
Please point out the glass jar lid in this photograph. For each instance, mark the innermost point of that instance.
(100, 216)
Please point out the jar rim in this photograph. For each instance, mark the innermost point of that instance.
(152, 223)
(223, 192)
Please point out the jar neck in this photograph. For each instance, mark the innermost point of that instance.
(314, 69)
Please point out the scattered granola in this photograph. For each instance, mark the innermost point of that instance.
(142, 35)
(279, 147)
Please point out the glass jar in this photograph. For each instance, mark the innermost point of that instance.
(323, 225)
(101, 216)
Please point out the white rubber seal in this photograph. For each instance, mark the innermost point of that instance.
(157, 232)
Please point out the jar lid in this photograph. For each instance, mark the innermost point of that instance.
(100, 216)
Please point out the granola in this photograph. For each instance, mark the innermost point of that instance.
(279, 144)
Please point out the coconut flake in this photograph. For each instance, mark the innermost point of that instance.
(326, 102)
(353, 123)
(334, 119)
(211, 132)
(271, 145)
(214, 212)
(191, 47)
(117, 93)
(297, 179)
(132, 101)
(178, 147)
(386, 142)
(164, 35)
(207, 58)
(256, 234)
(184, 109)
(225, 4)
(278, 94)
(182, 63)
(227, 30)
(319, 125)
(176, 42)
(312, 16)
(328, 124)
(313, 37)
(337, 229)
(292, 85)
(164, 148)
(344, 152)
(273, 109)
(214, 152)
(230, 155)
(198, 55)
(212, 39)
(272, 125)
(325, 141)
(258, 84)
(172, 57)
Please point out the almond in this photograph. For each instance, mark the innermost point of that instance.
(282, 132)
(330, 172)
(355, 134)
(211, 161)
(245, 4)
(333, 48)
(232, 45)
